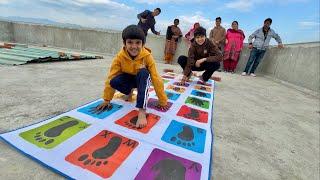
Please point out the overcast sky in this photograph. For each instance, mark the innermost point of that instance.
(293, 20)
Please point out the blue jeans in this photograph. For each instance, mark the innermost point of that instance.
(125, 82)
(255, 57)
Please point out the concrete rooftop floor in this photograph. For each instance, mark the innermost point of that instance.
(263, 129)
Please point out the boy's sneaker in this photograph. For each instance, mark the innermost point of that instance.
(253, 75)
(244, 74)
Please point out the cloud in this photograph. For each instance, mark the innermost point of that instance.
(90, 3)
(170, 1)
(309, 25)
(240, 5)
(90, 13)
(247, 5)
(187, 21)
(4, 1)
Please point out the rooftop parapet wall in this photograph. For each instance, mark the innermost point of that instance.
(6, 31)
(103, 41)
(296, 63)
(79, 39)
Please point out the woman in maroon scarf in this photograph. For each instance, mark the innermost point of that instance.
(234, 44)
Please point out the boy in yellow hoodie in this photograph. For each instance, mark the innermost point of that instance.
(132, 68)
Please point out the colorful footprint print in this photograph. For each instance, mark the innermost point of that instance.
(54, 133)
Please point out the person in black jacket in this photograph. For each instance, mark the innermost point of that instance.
(147, 21)
(172, 36)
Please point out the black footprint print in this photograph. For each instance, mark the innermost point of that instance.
(100, 156)
(169, 95)
(201, 94)
(185, 137)
(193, 114)
(133, 121)
(169, 169)
(155, 105)
(195, 166)
(203, 88)
(177, 89)
(197, 102)
(48, 136)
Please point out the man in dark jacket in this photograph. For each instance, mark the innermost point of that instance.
(203, 55)
(147, 21)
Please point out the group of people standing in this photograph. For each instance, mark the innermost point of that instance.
(134, 66)
(230, 43)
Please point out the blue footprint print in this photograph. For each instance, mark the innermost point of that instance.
(88, 110)
(201, 94)
(185, 136)
(172, 96)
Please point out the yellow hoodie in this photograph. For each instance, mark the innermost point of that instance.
(123, 63)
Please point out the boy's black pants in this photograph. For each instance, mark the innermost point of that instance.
(125, 82)
(207, 67)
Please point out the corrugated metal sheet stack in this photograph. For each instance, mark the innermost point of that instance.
(17, 54)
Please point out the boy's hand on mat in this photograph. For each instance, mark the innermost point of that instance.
(162, 108)
(102, 107)
(183, 81)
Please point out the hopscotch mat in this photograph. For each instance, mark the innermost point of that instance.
(176, 144)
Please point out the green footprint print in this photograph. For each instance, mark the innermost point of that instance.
(52, 134)
(198, 102)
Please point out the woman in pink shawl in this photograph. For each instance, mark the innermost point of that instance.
(234, 44)
(190, 35)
